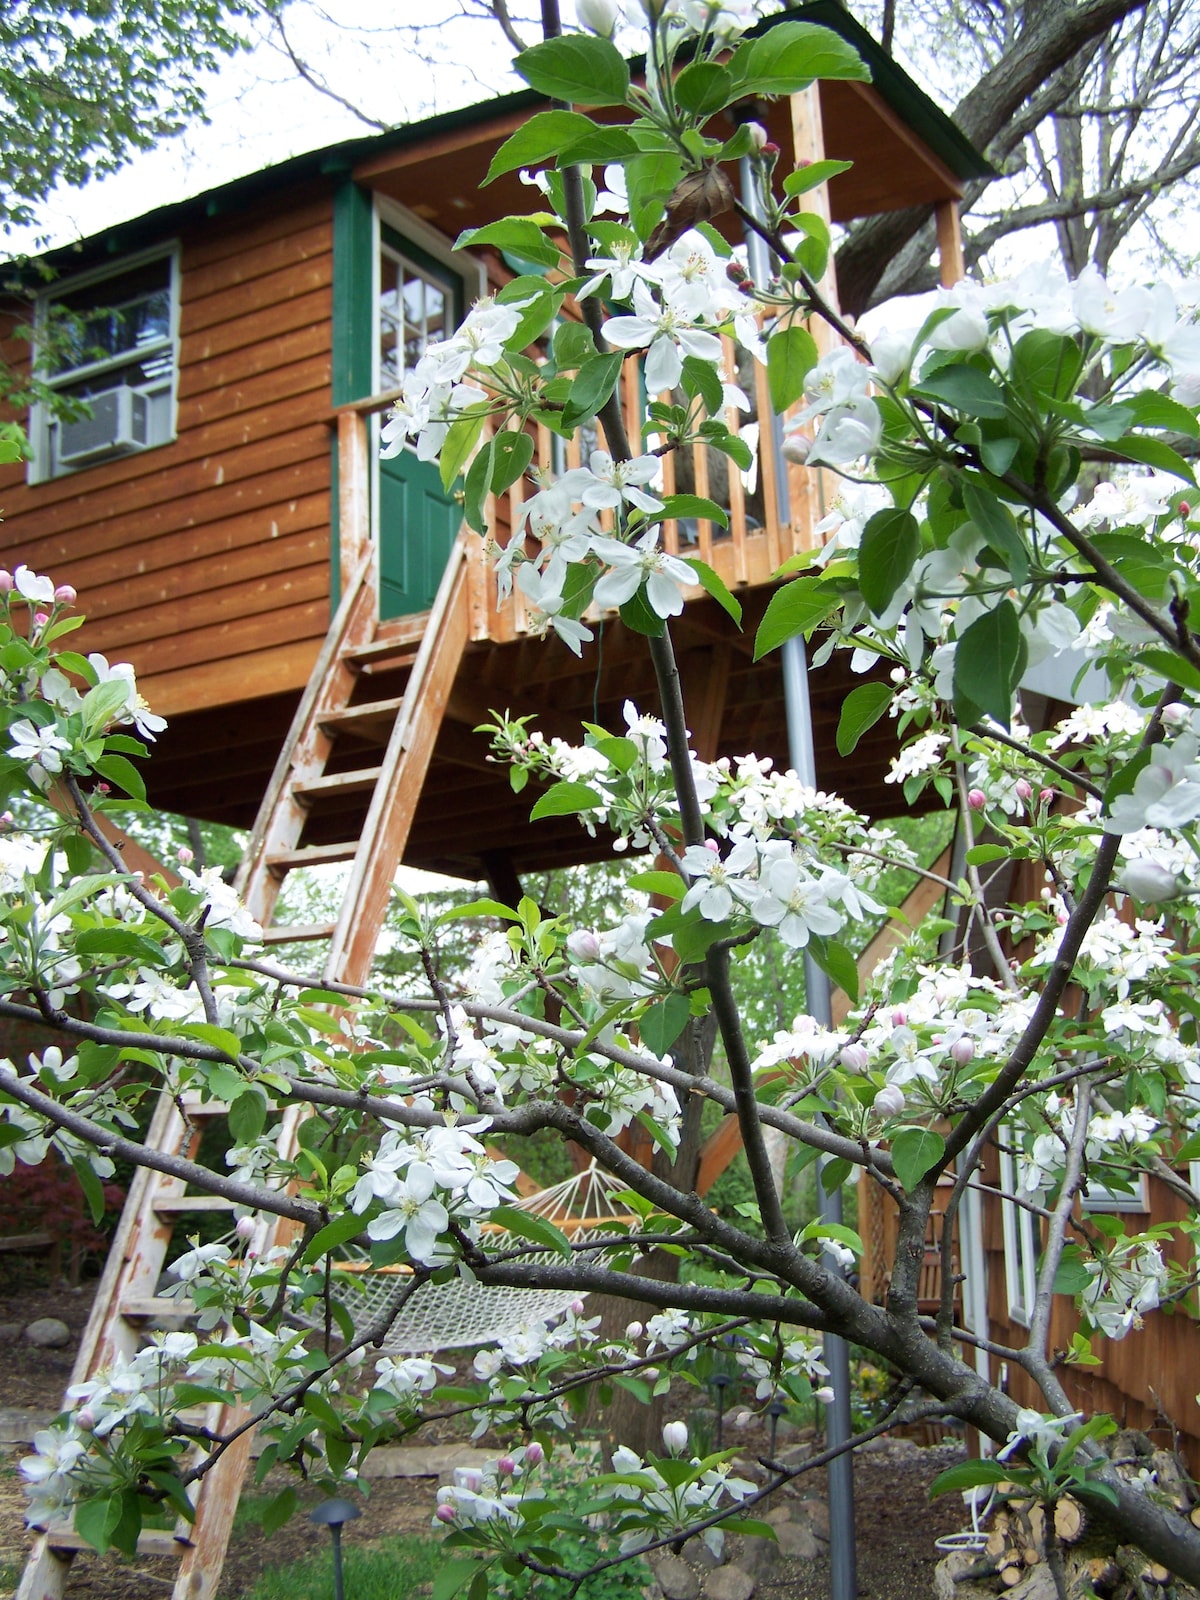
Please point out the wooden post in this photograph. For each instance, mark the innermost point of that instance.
(949, 239)
(354, 496)
(806, 485)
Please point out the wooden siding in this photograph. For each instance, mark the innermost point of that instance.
(205, 562)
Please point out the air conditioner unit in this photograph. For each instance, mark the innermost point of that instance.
(117, 426)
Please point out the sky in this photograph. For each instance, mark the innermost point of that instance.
(261, 112)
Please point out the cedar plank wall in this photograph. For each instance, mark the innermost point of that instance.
(206, 562)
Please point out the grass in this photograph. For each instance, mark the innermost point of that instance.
(399, 1568)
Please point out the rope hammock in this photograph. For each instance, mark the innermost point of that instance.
(460, 1315)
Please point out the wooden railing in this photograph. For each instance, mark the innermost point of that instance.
(747, 553)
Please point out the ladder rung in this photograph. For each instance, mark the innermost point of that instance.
(192, 1202)
(151, 1541)
(311, 855)
(357, 782)
(383, 655)
(302, 933)
(146, 1307)
(362, 719)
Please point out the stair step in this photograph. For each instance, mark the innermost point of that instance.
(183, 1204)
(151, 1541)
(153, 1307)
(302, 933)
(373, 719)
(311, 855)
(361, 781)
(383, 655)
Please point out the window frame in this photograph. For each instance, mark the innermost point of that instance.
(40, 420)
(1022, 1239)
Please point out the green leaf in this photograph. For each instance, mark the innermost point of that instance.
(1166, 664)
(1146, 566)
(998, 455)
(565, 800)
(477, 908)
(577, 68)
(714, 584)
(220, 1038)
(461, 438)
(279, 1510)
(790, 56)
(638, 615)
(528, 1225)
(701, 380)
(967, 1474)
(837, 963)
(985, 662)
(512, 452)
(451, 1576)
(96, 1521)
(1047, 363)
(833, 1174)
(965, 389)
(103, 703)
(999, 527)
(981, 854)
(601, 145)
(691, 505)
(703, 87)
(1072, 1276)
(247, 1116)
(662, 1024)
(521, 235)
(475, 489)
(348, 1226)
(861, 709)
(668, 884)
(1154, 453)
(1151, 410)
(123, 773)
(573, 344)
(791, 355)
(540, 139)
(539, 304)
(92, 1188)
(812, 175)
(891, 542)
(797, 608)
(591, 387)
(914, 1152)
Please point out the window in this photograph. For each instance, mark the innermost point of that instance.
(109, 343)
(419, 303)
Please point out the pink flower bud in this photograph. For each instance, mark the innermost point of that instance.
(796, 449)
(634, 1330)
(505, 1467)
(824, 1394)
(899, 1016)
(743, 1419)
(246, 1227)
(675, 1437)
(1185, 509)
(711, 844)
(6, 581)
(1175, 715)
(758, 135)
(889, 1102)
(185, 855)
(65, 595)
(770, 148)
(1024, 788)
(41, 618)
(534, 1454)
(736, 272)
(583, 945)
(577, 1308)
(963, 1050)
(445, 1513)
(103, 788)
(85, 1418)
(855, 1058)
(1045, 796)
(977, 800)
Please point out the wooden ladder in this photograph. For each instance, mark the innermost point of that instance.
(340, 715)
(347, 741)
(127, 1301)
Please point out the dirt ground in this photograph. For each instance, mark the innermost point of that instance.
(895, 1521)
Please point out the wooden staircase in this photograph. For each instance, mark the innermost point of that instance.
(354, 749)
(359, 745)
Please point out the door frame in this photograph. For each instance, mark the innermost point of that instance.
(387, 212)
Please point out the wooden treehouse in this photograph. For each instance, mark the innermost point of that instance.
(226, 495)
(315, 624)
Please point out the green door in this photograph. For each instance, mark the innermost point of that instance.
(420, 300)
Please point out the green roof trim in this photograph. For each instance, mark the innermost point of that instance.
(332, 164)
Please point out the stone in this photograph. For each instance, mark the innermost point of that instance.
(48, 1333)
(816, 1514)
(760, 1557)
(729, 1583)
(18, 1426)
(676, 1579)
(797, 1542)
(778, 1514)
(697, 1554)
(949, 1571)
(10, 1332)
(423, 1461)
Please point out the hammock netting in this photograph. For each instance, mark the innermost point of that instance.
(460, 1315)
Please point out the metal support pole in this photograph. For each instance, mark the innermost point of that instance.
(843, 1566)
